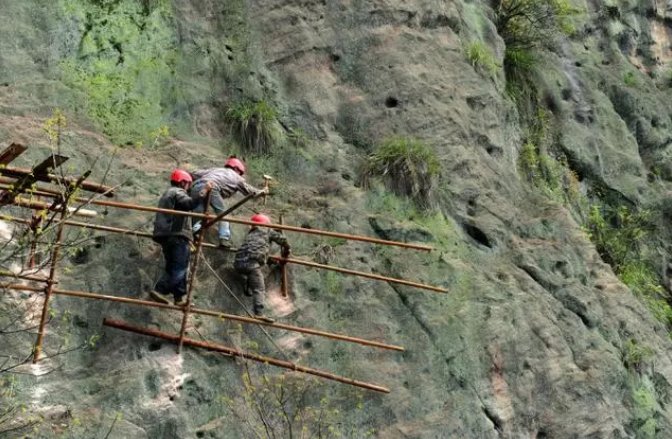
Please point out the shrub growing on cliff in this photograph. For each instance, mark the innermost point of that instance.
(532, 23)
(254, 125)
(408, 167)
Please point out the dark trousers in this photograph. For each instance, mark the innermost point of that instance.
(174, 277)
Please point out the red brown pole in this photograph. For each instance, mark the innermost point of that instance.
(237, 353)
(277, 258)
(361, 274)
(206, 312)
(50, 283)
(284, 283)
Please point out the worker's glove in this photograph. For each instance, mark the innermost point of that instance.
(272, 262)
(286, 251)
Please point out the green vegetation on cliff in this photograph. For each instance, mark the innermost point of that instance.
(123, 69)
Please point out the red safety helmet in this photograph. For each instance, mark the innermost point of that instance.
(260, 218)
(179, 176)
(235, 164)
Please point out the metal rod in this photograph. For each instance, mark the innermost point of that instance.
(50, 282)
(360, 273)
(250, 223)
(192, 271)
(88, 186)
(237, 353)
(205, 312)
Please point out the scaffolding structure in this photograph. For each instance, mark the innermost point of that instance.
(19, 187)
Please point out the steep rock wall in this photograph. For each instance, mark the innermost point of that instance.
(531, 340)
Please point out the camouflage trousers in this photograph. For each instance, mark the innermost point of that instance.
(253, 283)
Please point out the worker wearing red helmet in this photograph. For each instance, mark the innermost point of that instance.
(225, 182)
(173, 233)
(251, 258)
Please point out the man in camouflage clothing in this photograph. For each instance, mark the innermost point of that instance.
(252, 256)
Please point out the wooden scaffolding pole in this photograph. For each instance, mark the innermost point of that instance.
(206, 312)
(249, 223)
(360, 273)
(49, 290)
(237, 353)
(277, 258)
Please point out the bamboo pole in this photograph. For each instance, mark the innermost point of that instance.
(360, 273)
(205, 312)
(237, 353)
(49, 290)
(52, 178)
(192, 272)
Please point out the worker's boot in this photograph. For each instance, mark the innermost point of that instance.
(259, 314)
(225, 243)
(181, 301)
(158, 297)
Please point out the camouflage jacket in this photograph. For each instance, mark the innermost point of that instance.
(254, 251)
(166, 224)
(225, 180)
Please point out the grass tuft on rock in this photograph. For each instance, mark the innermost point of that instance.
(408, 168)
(481, 58)
(254, 125)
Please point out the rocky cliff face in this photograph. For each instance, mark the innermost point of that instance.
(537, 338)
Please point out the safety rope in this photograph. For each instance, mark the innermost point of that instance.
(247, 311)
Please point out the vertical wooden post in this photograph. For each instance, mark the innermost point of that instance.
(35, 224)
(284, 282)
(192, 272)
(50, 281)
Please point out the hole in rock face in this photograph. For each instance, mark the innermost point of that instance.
(477, 234)
(200, 434)
(391, 102)
(335, 57)
(154, 346)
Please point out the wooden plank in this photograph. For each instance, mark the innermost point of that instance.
(27, 181)
(49, 163)
(11, 152)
